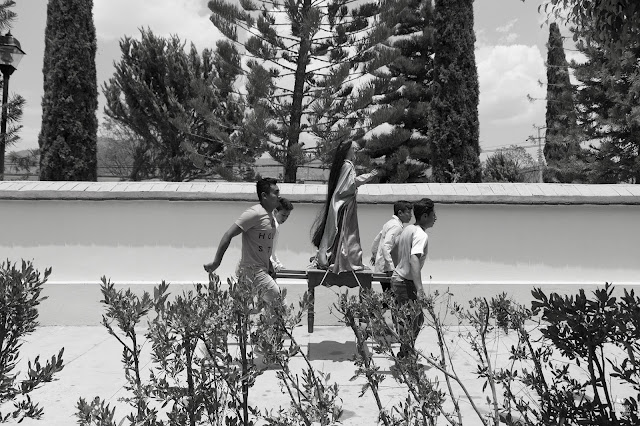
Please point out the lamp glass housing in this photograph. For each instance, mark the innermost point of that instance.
(10, 52)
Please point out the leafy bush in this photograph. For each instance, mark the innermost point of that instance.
(313, 399)
(365, 316)
(20, 290)
(585, 331)
(563, 375)
(204, 343)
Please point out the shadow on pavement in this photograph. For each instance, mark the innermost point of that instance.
(330, 350)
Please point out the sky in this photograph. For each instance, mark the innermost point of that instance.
(510, 52)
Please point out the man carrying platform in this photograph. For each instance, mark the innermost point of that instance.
(406, 281)
(382, 256)
(257, 226)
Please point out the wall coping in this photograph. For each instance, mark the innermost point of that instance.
(446, 193)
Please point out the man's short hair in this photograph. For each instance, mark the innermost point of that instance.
(421, 207)
(401, 205)
(264, 185)
(284, 204)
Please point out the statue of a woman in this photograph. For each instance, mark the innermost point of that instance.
(336, 233)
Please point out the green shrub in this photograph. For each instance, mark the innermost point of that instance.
(585, 331)
(563, 375)
(203, 356)
(20, 290)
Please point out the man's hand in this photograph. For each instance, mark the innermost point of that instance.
(211, 267)
(421, 295)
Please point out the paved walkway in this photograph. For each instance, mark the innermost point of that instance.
(92, 368)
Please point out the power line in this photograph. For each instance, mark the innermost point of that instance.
(502, 147)
(540, 154)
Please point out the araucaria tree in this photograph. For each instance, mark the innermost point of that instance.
(562, 150)
(178, 104)
(296, 52)
(454, 126)
(68, 137)
(402, 93)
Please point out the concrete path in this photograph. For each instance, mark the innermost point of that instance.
(93, 368)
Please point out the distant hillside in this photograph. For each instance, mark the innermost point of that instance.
(113, 165)
(23, 165)
(312, 172)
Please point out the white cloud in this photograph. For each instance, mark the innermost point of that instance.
(507, 74)
(579, 58)
(481, 37)
(507, 27)
(510, 38)
(189, 19)
(507, 33)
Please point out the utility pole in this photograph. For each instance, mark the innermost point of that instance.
(540, 153)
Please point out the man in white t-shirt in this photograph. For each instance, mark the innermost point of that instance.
(382, 256)
(257, 226)
(406, 281)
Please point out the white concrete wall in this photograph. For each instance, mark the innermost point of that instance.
(487, 238)
(147, 240)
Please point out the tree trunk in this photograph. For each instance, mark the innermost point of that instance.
(291, 160)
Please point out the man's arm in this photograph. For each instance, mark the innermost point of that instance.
(387, 245)
(416, 275)
(234, 231)
(374, 248)
(277, 265)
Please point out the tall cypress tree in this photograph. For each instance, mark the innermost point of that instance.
(562, 145)
(68, 137)
(454, 129)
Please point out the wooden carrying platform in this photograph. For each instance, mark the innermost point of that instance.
(316, 277)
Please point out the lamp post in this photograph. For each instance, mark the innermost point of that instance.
(10, 56)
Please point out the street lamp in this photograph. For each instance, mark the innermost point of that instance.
(10, 56)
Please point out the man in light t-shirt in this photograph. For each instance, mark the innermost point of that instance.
(406, 281)
(257, 226)
(382, 256)
(282, 213)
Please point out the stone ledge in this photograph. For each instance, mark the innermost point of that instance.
(445, 193)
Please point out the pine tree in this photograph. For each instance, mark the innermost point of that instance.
(608, 107)
(299, 55)
(7, 16)
(177, 102)
(454, 126)
(68, 137)
(562, 150)
(15, 103)
(402, 95)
